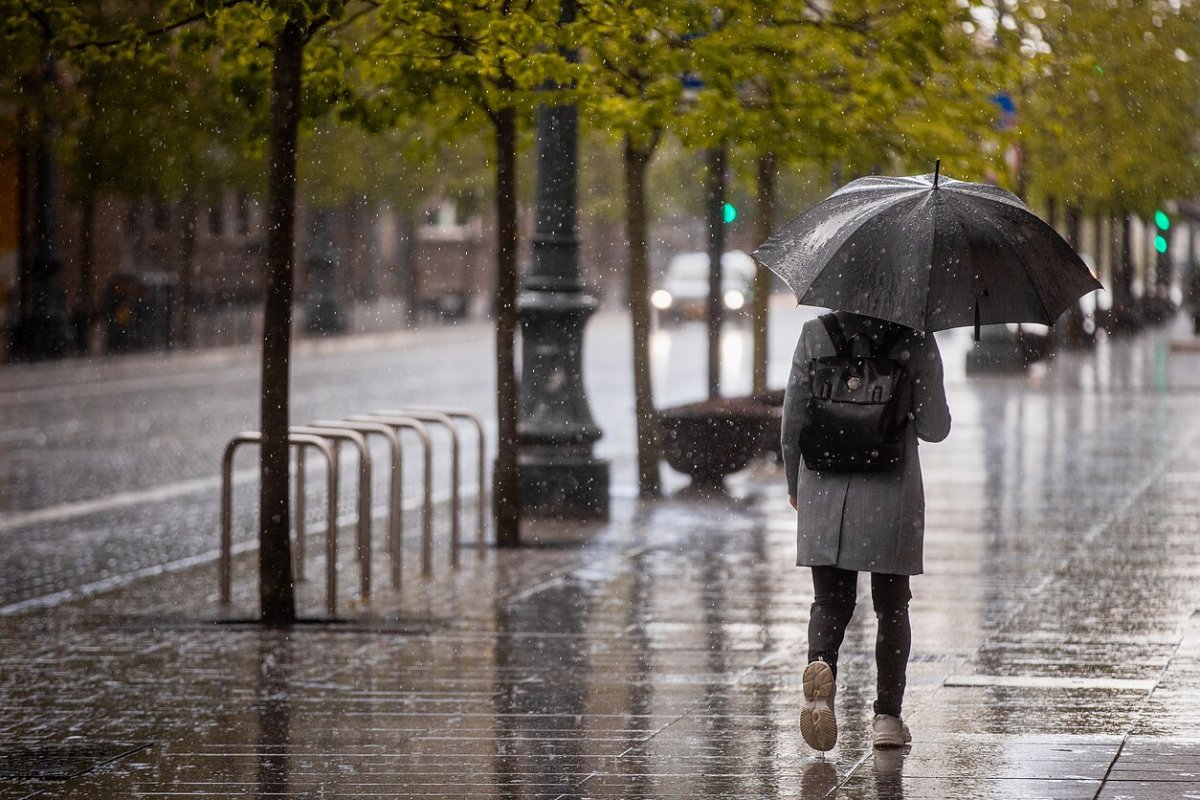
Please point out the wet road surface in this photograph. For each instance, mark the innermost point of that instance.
(1056, 639)
(109, 468)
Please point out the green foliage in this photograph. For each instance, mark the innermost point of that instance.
(162, 97)
(1110, 102)
(139, 111)
(635, 56)
(863, 85)
(451, 61)
(405, 166)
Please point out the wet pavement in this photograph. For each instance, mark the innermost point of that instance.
(109, 468)
(1056, 647)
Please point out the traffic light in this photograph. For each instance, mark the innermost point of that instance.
(729, 213)
(1162, 239)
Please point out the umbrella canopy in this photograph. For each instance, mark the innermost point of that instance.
(928, 252)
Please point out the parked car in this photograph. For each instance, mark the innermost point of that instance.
(683, 292)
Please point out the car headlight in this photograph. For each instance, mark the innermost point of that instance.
(661, 299)
(734, 299)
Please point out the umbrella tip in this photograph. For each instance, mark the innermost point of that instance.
(937, 171)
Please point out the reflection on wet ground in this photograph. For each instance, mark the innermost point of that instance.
(1056, 640)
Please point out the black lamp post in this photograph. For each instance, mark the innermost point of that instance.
(559, 473)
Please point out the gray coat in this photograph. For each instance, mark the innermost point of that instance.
(865, 521)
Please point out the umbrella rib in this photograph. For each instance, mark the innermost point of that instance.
(953, 215)
(929, 248)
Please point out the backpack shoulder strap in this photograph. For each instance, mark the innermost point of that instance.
(836, 335)
(889, 340)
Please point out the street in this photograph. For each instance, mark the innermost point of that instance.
(111, 468)
(1056, 630)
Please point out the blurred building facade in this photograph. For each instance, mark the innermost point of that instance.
(10, 233)
(144, 274)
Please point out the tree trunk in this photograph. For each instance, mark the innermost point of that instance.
(407, 263)
(648, 435)
(1124, 303)
(1052, 212)
(85, 309)
(715, 214)
(1193, 277)
(506, 499)
(276, 591)
(187, 257)
(1073, 317)
(759, 318)
(1102, 254)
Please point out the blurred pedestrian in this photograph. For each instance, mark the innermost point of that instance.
(859, 515)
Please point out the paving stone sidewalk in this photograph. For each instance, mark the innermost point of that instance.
(1056, 641)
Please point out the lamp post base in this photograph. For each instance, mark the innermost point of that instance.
(564, 486)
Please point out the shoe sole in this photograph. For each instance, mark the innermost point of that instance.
(818, 725)
(893, 739)
(890, 741)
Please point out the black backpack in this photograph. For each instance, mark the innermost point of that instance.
(857, 407)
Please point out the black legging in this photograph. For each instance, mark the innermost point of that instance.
(834, 594)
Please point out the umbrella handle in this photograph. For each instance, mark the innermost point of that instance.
(984, 293)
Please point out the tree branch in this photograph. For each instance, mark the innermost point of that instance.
(370, 6)
(159, 31)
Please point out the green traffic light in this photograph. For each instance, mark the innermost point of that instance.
(729, 212)
(1162, 220)
(1160, 243)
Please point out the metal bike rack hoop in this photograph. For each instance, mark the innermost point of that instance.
(226, 545)
(364, 494)
(396, 486)
(455, 469)
(480, 438)
(417, 427)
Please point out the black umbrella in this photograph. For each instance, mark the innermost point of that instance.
(928, 252)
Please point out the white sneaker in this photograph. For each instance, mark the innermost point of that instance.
(890, 731)
(818, 725)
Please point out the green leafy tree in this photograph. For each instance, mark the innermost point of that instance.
(96, 37)
(637, 54)
(262, 47)
(1114, 87)
(465, 62)
(1108, 113)
(347, 159)
(31, 83)
(140, 112)
(152, 122)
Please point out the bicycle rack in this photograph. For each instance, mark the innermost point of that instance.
(298, 441)
(326, 436)
(476, 422)
(400, 422)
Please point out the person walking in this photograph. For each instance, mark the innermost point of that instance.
(861, 520)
